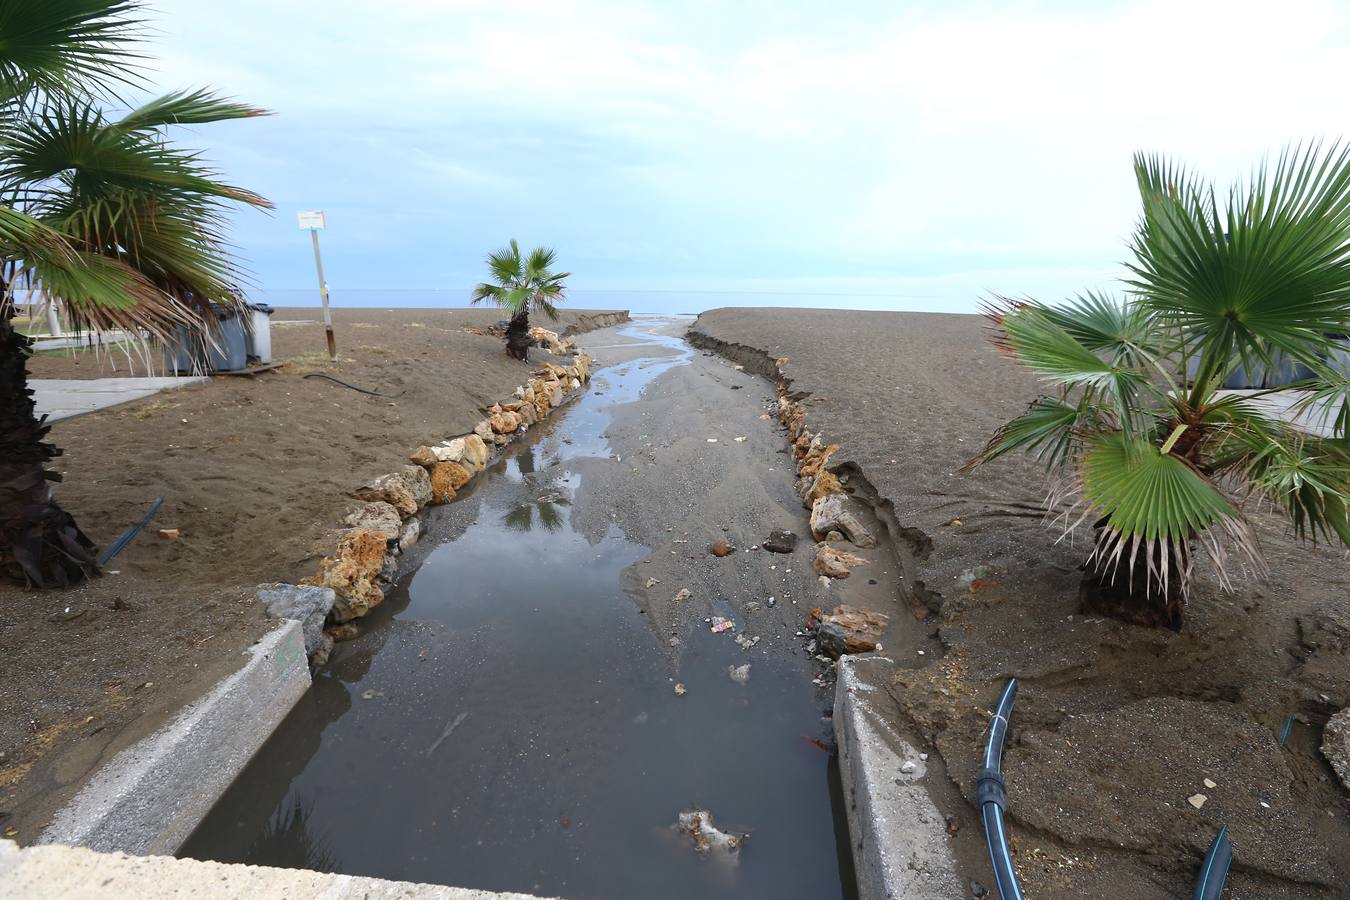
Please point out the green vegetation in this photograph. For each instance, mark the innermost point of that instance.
(521, 285)
(1140, 442)
(105, 214)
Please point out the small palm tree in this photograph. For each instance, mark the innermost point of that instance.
(1141, 441)
(124, 228)
(522, 284)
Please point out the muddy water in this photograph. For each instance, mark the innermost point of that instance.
(508, 719)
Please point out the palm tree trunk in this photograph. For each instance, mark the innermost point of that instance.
(518, 335)
(39, 542)
(1129, 597)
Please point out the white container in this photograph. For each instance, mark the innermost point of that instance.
(260, 333)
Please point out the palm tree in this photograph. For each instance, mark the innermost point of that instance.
(1139, 438)
(522, 285)
(105, 215)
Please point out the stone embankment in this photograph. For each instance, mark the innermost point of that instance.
(352, 580)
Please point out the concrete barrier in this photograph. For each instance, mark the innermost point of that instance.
(149, 797)
(899, 839)
(62, 873)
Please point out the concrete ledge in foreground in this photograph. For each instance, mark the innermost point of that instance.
(49, 873)
(898, 837)
(150, 797)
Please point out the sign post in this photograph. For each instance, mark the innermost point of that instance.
(314, 221)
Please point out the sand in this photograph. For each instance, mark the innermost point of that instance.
(1115, 725)
(255, 475)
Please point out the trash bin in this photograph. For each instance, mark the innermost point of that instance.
(260, 333)
(184, 351)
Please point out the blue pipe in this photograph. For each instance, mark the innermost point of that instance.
(1214, 870)
(992, 797)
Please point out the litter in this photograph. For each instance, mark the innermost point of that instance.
(707, 838)
(446, 733)
(739, 674)
(720, 624)
(680, 690)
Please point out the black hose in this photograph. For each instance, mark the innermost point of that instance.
(118, 545)
(992, 796)
(352, 386)
(1214, 870)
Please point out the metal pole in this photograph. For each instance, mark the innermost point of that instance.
(53, 321)
(323, 294)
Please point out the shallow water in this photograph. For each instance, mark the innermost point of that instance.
(508, 719)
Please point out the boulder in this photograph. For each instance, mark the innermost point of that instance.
(450, 451)
(1336, 745)
(780, 541)
(411, 530)
(475, 452)
(834, 563)
(849, 630)
(528, 414)
(377, 515)
(573, 384)
(423, 456)
(815, 460)
(352, 573)
(419, 483)
(393, 489)
(307, 604)
(504, 422)
(823, 485)
(446, 480)
(839, 512)
(347, 631)
(555, 394)
(484, 430)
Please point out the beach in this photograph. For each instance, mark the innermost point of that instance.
(1116, 725)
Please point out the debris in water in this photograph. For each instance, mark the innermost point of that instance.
(681, 594)
(680, 690)
(698, 825)
(746, 642)
(446, 733)
(817, 743)
(739, 674)
(371, 695)
(720, 624)
(652, 582)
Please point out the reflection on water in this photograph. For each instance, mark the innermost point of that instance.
(508, 721)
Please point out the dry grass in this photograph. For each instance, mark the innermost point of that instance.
(147, 410)
(309, 362)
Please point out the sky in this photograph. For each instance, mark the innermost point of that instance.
(901, 155)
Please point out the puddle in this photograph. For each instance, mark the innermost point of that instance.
(508, 719)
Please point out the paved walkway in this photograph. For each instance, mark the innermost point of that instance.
(61, 398)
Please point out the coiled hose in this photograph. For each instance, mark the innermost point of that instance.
(992, 796)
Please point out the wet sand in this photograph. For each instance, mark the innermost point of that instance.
(1115, 726)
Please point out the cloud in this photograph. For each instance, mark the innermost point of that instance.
(695, 144)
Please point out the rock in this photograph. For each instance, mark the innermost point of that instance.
(450, 451)
(781, 541)
(504, 422)
(1197, 800)
(681, 594)
(412, 529)
(307, 604)
(419, 483)
(909, 767)
(1336, 744)
(347, 631)
(484, 430)
(849, 630)
(838, 512)
(476, 453)
(834, 563)
(353, 573)
(721, 549)
(824, 484)
(393, 489)
(680, 690)
(169, 534)
(446, 480)
(377, 516)
(739, 674)
(528, 414)
(423, 456)
(321, 653)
